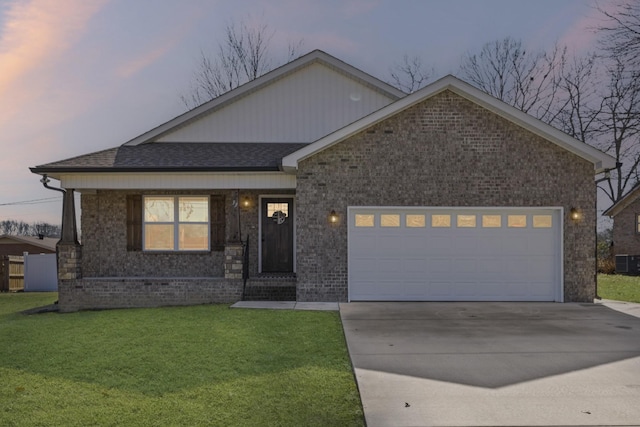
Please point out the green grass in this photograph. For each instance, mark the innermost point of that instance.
(203, 365)
(618, 287)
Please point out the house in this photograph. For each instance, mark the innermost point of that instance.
(321, 180)
(626, 223)
(18, 245)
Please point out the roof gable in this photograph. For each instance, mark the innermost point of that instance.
(599, 159)
(623, 202)
(298, 102)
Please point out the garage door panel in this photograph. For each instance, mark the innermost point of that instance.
(490, 261)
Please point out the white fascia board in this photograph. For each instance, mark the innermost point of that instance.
(600, 160)
(270, 77)
(177, 181)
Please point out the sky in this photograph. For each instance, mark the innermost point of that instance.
(79, 76)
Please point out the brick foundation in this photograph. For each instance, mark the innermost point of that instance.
(103, 293)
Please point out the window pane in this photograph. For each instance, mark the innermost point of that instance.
(542, 221)
(517, 221)
(277, 207)
(441, 220)
(158, 237)
(193, 237)
(158, 209)
(465, 221)
(415, 221)
(491, 221)
(364, 220)
(391, 220)
(193, 209)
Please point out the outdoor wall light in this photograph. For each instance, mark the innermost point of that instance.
(246, 202)
(333, 217)
(575, 214)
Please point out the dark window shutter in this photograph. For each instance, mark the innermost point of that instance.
(134, 222)
(217, 223)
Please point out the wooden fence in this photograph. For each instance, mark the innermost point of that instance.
(11, 273)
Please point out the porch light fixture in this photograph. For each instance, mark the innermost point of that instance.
(575, 214)
(246, 202)
(333, 217)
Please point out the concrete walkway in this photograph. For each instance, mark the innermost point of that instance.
(496, 364)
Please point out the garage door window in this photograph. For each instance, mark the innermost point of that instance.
(392, 220)
(466, 221)
(415, 221)
(517, 221)
(542, 221)
(364, 220)
(438, 221)
(491, 221)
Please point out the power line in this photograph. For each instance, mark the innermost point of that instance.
(31, 202)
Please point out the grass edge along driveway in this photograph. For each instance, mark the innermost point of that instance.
(200, 365)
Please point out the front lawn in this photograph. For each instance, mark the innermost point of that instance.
(202, 365)
(619, 287)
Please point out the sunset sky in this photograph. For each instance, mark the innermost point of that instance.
(78, 76)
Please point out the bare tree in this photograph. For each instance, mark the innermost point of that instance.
(525, 80)
(620, 35)
(410, 74)
(242, 56)
(595, 98)
(619, 124)
(21, 228)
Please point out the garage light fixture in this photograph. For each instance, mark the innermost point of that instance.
(333, 217)
(575, 214)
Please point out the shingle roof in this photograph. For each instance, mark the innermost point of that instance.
(180, 156)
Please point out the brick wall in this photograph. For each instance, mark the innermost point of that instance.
(105, 245)
(445, 151)
(101, 293)
(626, 241)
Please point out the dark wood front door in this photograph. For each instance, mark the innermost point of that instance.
(277, 235)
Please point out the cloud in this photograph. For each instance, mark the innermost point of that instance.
(133, 67)
(35, 34)
(582, 35)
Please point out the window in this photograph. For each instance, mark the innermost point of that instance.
(440, 221)
(542, 221)
(466, 221)
(413, 221)
(176, 223)
(363, 220)
(491, 221)
(637, 223)
(389, 220)
(517, 221)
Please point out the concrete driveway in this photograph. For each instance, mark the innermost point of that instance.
(495, 364)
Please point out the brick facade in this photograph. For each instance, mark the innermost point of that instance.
(106, 275)
(445, 151)
(626, 239)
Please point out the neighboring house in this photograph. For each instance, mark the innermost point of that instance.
(626, 223)
(346, 190)
(18, 245)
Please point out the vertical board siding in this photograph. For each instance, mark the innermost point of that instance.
(302, 107)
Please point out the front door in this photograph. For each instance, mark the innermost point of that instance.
(277, 235)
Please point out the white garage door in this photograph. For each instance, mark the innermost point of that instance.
(454, 254)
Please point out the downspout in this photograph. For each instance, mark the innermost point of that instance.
(69, 233)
